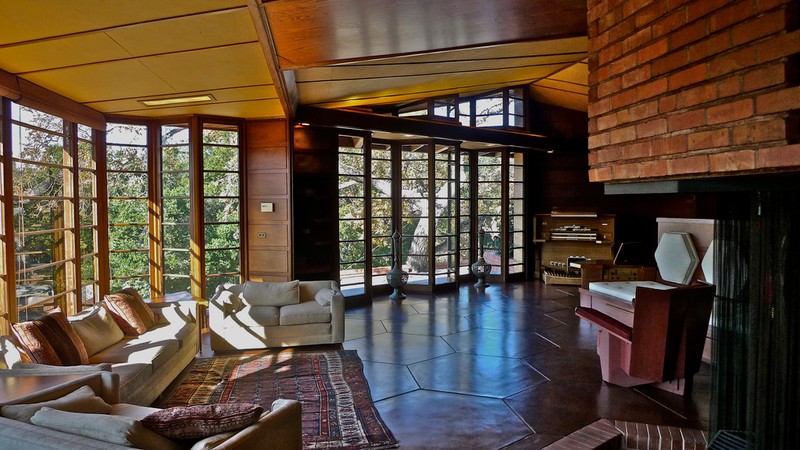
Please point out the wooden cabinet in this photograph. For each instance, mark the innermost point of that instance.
(561, 239)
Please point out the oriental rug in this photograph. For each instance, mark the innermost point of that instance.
(338, 411)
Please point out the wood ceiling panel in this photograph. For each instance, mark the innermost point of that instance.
(69, 51)
(563, 85)
(256, 109)
(318, 32)
(564, 99)
(104, 81)
(28, 20)
(577, 73)
(133, 106)
(187, 33)
(238, 65)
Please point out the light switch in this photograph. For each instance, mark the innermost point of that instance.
(267, 207)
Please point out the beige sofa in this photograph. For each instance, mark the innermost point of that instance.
(277, 429)
(276, 314)
(145, 364)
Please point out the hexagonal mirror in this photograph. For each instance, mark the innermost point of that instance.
(676, 257)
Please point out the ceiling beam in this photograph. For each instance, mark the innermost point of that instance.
(377, 122)
(284, 80)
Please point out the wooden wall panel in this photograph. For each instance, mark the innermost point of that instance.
(269, 180)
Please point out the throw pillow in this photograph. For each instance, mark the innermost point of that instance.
(200, 421)
(119, 430)
(130, 312)
(271, 293)
(82, 400)
(51, 340)
(324, 296)
(97, 329)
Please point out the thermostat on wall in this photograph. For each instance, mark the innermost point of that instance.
(267, 207)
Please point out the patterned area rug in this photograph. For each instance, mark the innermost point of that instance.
(337, 406)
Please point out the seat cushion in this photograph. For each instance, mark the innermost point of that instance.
(82, 400)
(132, 314)
(139, 351)
(97, 329)
(50, 339)
(271, 293)
(254, 316)
(303, 313)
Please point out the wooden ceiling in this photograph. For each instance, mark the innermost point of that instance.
(263, 60)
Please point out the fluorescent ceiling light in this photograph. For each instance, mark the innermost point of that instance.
(178, 100)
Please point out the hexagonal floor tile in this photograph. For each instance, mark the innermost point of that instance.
(388, 380)
(429, 325)
(396, 348)
(511, 344)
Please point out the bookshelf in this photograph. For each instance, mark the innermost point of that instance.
(564, 238)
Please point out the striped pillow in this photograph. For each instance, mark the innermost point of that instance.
(51, 340)
(130, 312)
(200, 421)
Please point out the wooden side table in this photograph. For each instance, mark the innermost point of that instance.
(14, 387)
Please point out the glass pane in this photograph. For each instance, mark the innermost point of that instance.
(127, 211)
(382, 227)
(222, 210)
(222, 261)
(222, 236)
(126, 158)
(174, 285)
(129, 264)
(212, 282)
(220, 134)
(350, 230)
(86, 184)
(351, 251)
(127, 185)
(128, 237)
(142, 285)
(351, 186)
(490, 190)
(176, 262)
(415, 168)
(34, 180)
(351, 164)
(37, 249)
(175, 158)
(415, 188)
(175, 184)
(87, 241)
(176, 236)
(34, 145)
(381, 208)
(117, 133)
(351, 208)
(220, 184)
(415, 207)
(381, 188)
(172, 135)
(176, 210)
(382, 247)
(221, 158)
(381, 168)
(86, 211)
(87, 271)
(86, 155)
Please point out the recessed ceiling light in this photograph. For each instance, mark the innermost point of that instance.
(178, 100)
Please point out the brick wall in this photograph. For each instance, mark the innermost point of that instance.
(693, 88)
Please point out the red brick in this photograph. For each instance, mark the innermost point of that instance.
(600, 174)
(607, 121)
(668, 145)
(592, 125)
(622, 65)
(700, 8)
(735, 13)
(713, 45)
(652, 169)
(762, 131)
(729, 112)
(779, 47)
(687, 77)
(764, 77)
(592, 158)
(609, 53)
(778, 101)
(669, 23)
(667, 104)
(686, 120)
(623, 99)
(651, 89)
(623, 116)
(669, 62)
(622, 29)
(729, 86)
(609, 87)
(627, 171)
(686, 35)
(624, 134)
(651, 128)
(629, 7)
(688, 164)
(599, 140)
(732, 62)
(637, 151)
(703, 93)
(784, 156)
(636, 40)
(609, 154)
(766, 5)
(766, 25)
(708, 139)
(733, 161)
(644, 110)
(610, 19)
(650, 13)
(652, 51)
(636, 76)
(599, 106)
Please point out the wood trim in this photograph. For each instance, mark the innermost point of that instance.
(155, 212)
(197, 248)
(9, 306)
(103, 239)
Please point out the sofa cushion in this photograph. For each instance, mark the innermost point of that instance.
(324, 296)
(96, 328)
(180, 332)
(272, 293)
(51, 340)
(201, 421)
(119, 430)
(130, 311)
(254, 316)
(82, 400)
(132, 376)
(303, 313)
(136, 350)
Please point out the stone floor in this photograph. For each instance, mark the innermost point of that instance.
(511, 367)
